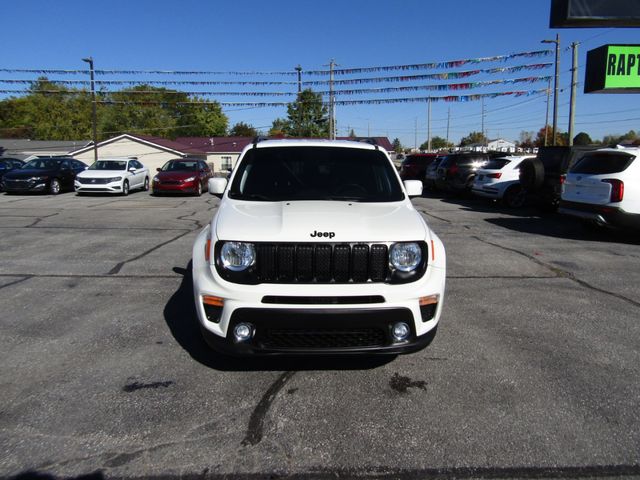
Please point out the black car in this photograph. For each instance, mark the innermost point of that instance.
(457, 170)
(414, 166)
(542, 176)
(6, 165)
(51, 174)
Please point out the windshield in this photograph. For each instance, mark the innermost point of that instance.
(41, 164)
(181, 166)
(315, 173)
(109, 165)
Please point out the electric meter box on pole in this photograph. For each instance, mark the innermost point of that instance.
(613, 69)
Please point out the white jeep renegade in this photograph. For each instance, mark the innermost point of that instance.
(316, 248)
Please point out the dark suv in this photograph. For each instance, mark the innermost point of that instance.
(542, 176)
(414, 166)
(457, 170)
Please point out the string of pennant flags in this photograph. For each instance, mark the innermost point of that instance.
(354, 81)
(440, 87)
(342, 71)
(382, 101)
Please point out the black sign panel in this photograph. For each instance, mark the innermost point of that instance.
(594, 13)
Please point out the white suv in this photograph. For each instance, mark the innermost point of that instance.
(499, 179)
(603, 188)
(316, 248)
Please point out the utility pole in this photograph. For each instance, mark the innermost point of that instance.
(332, 111)
(415, 132)
(482, 128)
(429, 126)
(546, 118)
(574, 84)
(299, 70)
(94, 121)
(556, 79)
(448, 121)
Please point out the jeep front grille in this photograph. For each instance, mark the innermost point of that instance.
(321, 263)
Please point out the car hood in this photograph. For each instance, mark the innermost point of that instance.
(309, 221)
(176, 175)
(22, 173)
(102, 173)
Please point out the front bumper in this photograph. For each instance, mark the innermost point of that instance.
(25, 186)
(319, 318)
(189, 187)
(113, 187)
(604, 215)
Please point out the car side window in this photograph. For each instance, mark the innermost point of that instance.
(137, 164)
(65, 165)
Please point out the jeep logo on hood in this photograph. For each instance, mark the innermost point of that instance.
(317, 234)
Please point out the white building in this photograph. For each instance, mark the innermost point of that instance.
(153, 152)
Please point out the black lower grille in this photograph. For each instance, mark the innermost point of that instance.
(94, 181)
(321, 263)
(319, 339)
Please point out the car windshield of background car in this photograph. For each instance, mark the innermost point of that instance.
(109, 165)
(180, 167)
(315, 173)
(40, 164)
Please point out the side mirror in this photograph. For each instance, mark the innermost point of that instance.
(217, 186)
(132, 169)
(413, 188)
(158, 169)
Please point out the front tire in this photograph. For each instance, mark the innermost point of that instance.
(146, 184)
(198, 191)
(125, 188)
(54, 186)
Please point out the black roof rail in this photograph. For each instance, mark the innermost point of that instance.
(369, 140)
(258, 139)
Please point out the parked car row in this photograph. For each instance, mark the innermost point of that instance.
(600, 186)
(54, 175)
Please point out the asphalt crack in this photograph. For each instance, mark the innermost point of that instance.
(559, 273)
(119, 266)
(27, 277)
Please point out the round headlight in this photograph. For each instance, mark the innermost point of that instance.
(405, 256)
(237, 256)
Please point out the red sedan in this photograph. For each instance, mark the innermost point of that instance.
(182, 175)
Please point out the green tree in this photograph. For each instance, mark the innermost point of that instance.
(474, 138)
(582, 138)
(199, 118)
(47, 112)
(397, 146)
(616, 139)
(307, 116)
(562, 138)
(437, 143)
(279, 128)
(242, 129)
(145, 109)
(352, 134)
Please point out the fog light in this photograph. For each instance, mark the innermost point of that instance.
(243, 332)
(400, 331)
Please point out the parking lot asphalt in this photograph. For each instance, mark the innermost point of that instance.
(533, 373)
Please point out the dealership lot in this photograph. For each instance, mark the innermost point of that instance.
(533, 372)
